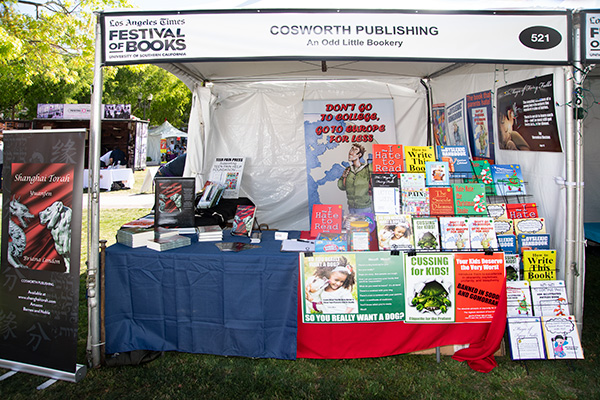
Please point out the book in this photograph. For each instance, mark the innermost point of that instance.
(526, 338)
(146, 221)
(394, 232)
(429, 288)
(518, 299)
(539, 265)
(479, 281)
(209, 233)
(482, 234)
(562, 338)
(437, 173)
(174, 202)
(469, 199)
(504, 226)
(426, 233)
(457, 125)
(243, 220)
(512, 264)
(540, 241)
(326, 218)
(441, 201)
(530, 226)
(169, 242)
(482, 174)
(415, 157)
(440, 131)
(507, 243)
(454, 233)
(386, 193)
(228, 172)
(414, 196)
(388, 158)
(210, 195)
(481, 128)
(549, 298)
(458, 160)
(237, 246)
(508, 179)
(521, 210)
(497, 210)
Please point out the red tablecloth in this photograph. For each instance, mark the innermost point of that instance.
(364, 340)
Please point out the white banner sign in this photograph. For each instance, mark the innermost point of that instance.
(139, 37)
(591, 36)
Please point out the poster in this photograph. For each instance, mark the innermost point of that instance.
(352, 287)
(479, 282)
(481, 127)
(41, 242)
(174, 198)
(228, 171)
(430, 288)
(527, 117)
(339, 135)
(457, 126)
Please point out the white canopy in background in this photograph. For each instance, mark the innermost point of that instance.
(163, 131)
(249, 83)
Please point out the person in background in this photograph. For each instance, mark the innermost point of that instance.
(117, 157)
(105, 159)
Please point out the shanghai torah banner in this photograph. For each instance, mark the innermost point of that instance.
(352, 287)
(41, 242)
(338, 136)
(527, 117)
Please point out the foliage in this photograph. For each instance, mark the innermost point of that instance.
(171, 101)
(47, 56)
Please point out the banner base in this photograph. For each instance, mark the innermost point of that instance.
(78, 375)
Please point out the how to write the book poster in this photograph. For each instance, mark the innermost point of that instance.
(352, 287)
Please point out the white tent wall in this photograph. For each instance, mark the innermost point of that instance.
(591, 138)
(539, 168)
(263, 121)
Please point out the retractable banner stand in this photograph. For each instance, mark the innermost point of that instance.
(41, 242)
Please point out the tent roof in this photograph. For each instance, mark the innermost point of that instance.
(166, 130)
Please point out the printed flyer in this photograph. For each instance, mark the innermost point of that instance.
(352, 287)
(479, 282)
(339, 135)
(430, 288)
(481, 127)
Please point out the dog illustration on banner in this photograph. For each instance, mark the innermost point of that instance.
(18, 240)
(57, 218)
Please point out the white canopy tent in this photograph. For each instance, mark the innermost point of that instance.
(250, 73)
(163, 131)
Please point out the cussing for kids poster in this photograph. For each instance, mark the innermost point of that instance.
(339, 135)
(352, 287)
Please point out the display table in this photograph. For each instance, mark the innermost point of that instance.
(108, 176)
(198, 299)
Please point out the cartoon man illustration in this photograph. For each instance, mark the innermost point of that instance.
(355, 181)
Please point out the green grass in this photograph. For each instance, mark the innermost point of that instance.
(181, 376)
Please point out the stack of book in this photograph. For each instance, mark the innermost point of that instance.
(138, 236)
(210, 233)
(164, 243)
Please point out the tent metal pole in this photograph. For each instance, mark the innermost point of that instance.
(570, 235)
(579, 271)
(93, 288)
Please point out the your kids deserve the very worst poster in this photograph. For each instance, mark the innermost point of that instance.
(339, 135)
(429, 287)
(479, 282)
(352, 287)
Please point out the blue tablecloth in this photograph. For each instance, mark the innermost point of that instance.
(197, 299)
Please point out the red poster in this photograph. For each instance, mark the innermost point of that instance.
(479, 280)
